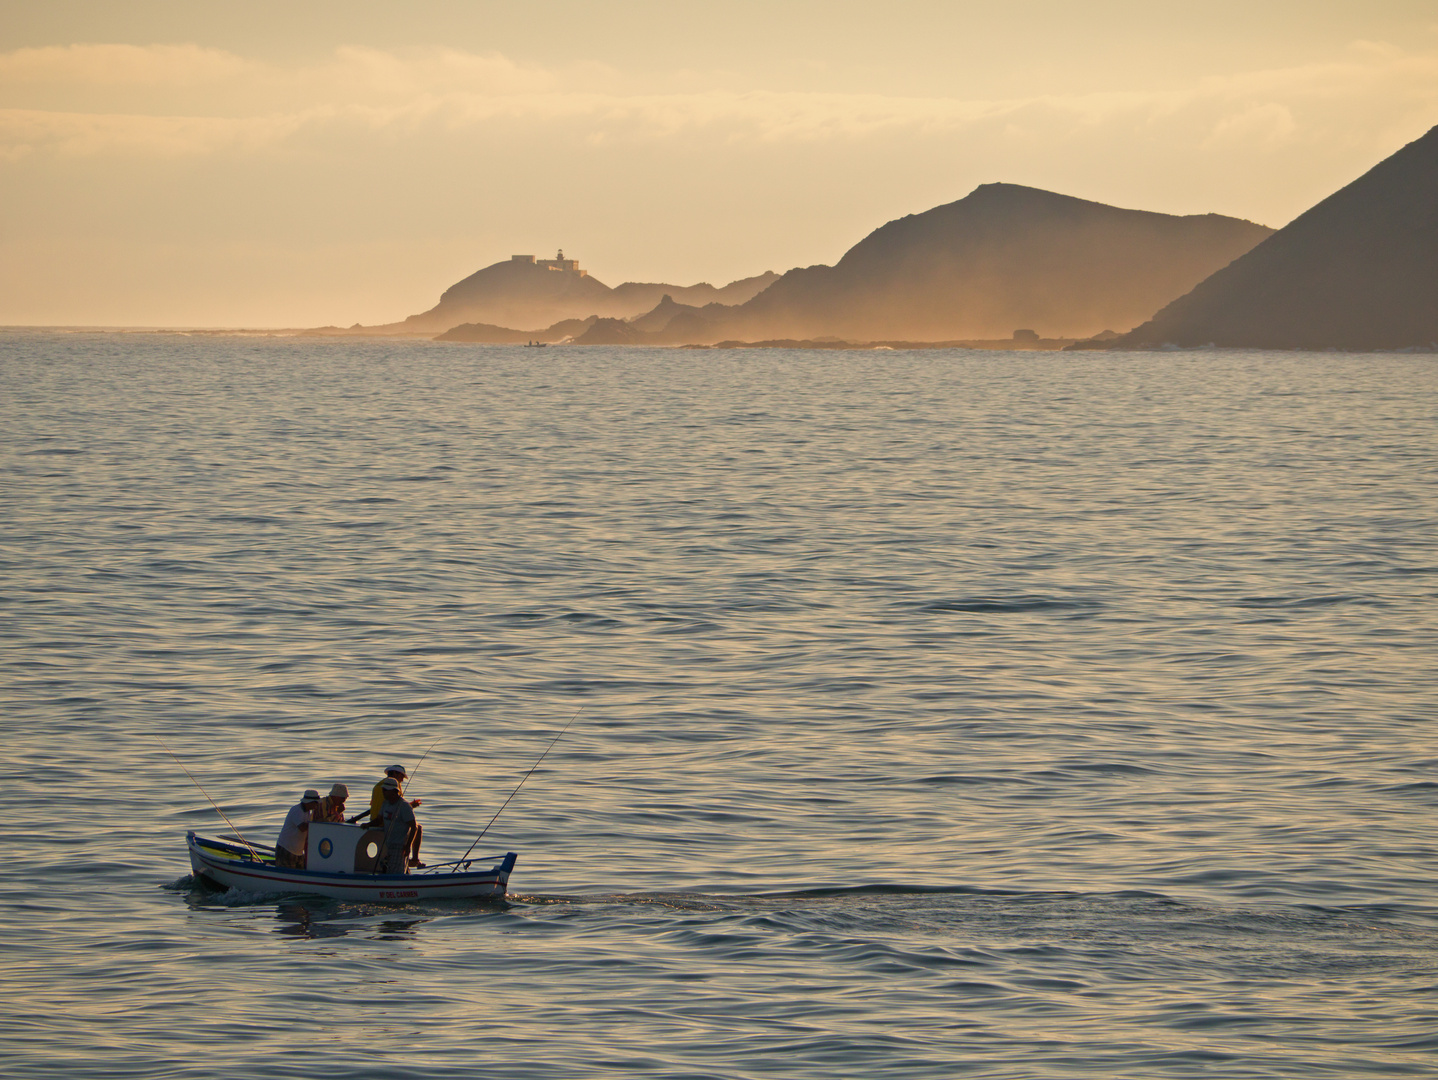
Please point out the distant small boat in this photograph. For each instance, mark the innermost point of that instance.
(536, 344)
(340, 865)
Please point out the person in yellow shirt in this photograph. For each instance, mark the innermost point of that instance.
(376, 808)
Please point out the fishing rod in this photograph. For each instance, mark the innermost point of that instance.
(206, 794)
(410, 781)
(519, 785)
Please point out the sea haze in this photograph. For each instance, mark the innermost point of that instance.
(944, 713)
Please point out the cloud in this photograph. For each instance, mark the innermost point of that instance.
(27, 131)
(168, 100)
(111, 66)
(1269, 122)
(351, 74)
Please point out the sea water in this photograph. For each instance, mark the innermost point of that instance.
(940, 713)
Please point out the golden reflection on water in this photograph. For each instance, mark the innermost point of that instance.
(1052, 716)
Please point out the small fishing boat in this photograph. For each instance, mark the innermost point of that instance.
(342, 860)
(340, 864)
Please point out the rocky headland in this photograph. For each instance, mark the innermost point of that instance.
(523, 291)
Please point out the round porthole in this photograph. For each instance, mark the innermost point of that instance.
(371, 850)
(327, 848)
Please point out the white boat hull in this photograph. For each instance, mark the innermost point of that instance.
(232, 866)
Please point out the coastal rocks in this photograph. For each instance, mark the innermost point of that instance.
(611, 332)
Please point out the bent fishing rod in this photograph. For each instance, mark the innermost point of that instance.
(409, 782)
(519, 785)
(206, 794)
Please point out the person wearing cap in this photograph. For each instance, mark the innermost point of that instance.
(332, 806)
(376, 805)
(290, 847)
(396, 817)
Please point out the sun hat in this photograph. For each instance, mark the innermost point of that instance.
(310, 795)
(396, 770)
(389, 783)
(339, 791)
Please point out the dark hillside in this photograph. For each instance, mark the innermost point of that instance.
(1358, 271)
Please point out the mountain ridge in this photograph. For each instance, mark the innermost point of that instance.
(1004, 256)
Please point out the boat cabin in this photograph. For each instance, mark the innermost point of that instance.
(344, 849)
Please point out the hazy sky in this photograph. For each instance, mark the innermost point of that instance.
(271, 164)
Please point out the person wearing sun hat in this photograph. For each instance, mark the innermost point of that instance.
(399, 775)
(376, 799)
(290, 847)
(332, 806)
(401, 839)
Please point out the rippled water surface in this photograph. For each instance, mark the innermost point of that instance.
(944, 713)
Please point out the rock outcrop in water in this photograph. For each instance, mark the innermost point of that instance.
(525, 292)
(1359, 271)
(1005, 256)
(488, 334)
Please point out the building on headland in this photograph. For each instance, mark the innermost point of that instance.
(559, 262)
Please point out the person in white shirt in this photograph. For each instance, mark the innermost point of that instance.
(290, 847)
